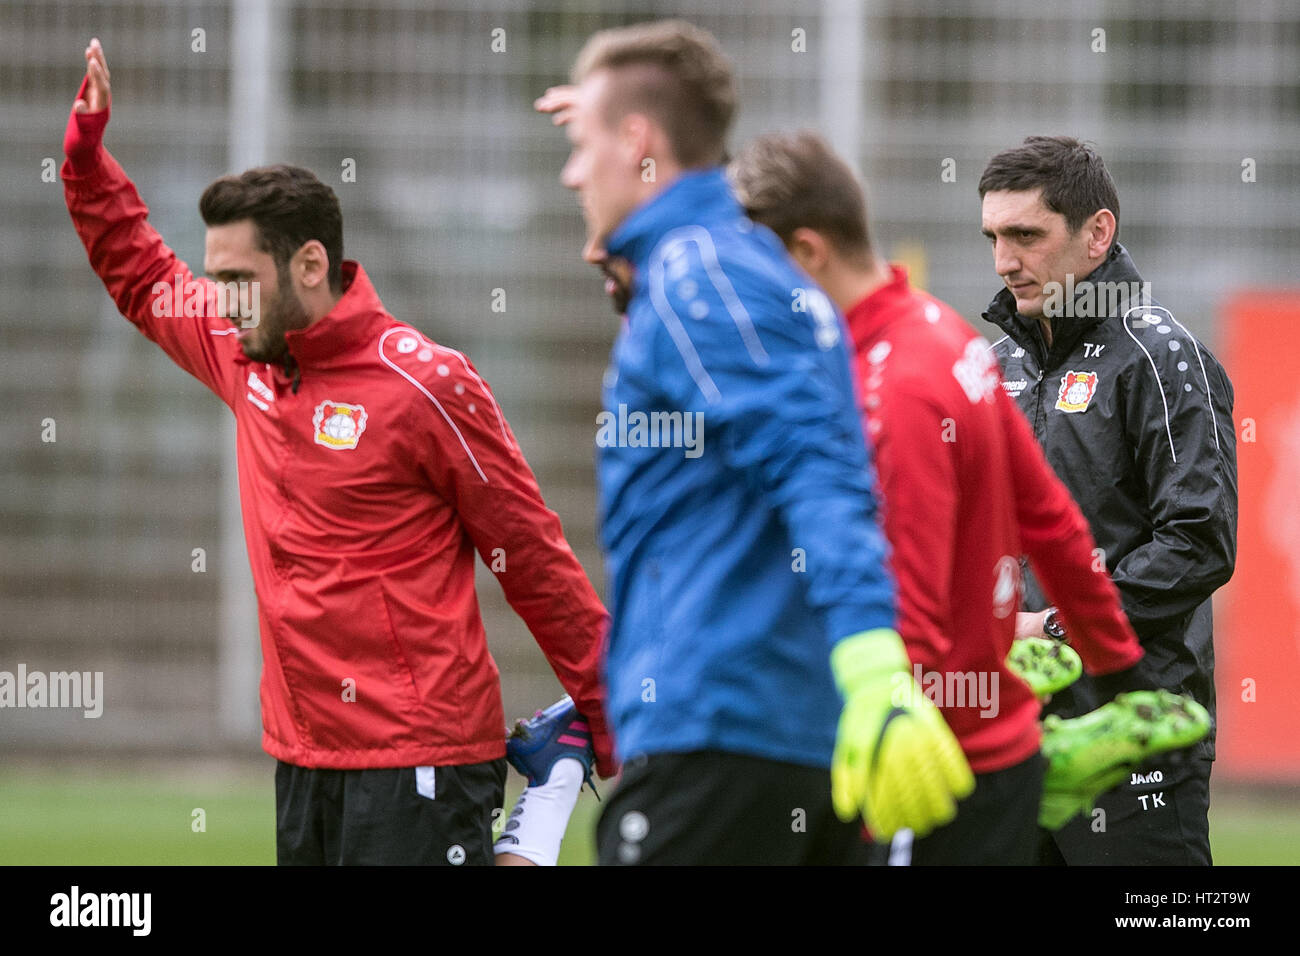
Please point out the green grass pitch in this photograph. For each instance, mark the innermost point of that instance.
(78, 815)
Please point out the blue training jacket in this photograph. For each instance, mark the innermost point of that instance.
(737, 501)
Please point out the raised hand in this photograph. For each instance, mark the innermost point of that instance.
(89, 116)
(559, 102)
(97, 95)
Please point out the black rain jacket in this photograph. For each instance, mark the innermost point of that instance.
(1135, 416)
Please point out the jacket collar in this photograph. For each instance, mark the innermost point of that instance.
(356, 319)
(868, 317)
(694, 196)
(1066, 332)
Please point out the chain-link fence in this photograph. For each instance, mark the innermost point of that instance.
(116, 546)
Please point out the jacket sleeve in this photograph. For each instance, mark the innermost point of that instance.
(1056, 538)
(919, 487)
(141, 274)
(476, 465)
(778, 401)
(1178, 421)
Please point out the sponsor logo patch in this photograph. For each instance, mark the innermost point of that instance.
(257, 387)
(339, 425)
(976, 372)
(1077, 389)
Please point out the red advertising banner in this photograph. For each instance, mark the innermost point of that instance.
(1257, 615)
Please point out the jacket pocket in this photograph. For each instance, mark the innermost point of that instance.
(347, 670)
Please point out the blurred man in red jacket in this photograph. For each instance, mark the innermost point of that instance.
(966, 491)
(373, 463)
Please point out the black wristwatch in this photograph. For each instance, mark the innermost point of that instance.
(1052, 625)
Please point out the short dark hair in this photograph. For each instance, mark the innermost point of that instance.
(1071, 174)
(672, 71)
(791, 181)
(288, 205)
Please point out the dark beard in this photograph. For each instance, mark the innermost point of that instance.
(286, 313)
(267, 352)
(619, 291)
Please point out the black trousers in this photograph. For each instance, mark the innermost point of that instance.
(1160, 816)
(437, 816)
(715, 808)
(997, 825)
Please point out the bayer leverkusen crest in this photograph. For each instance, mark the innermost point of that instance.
(339, 425)
(1077, 389)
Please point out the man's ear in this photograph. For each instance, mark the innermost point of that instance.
(809, 248)
(1100, 229)
(637, 134)
(310, 265)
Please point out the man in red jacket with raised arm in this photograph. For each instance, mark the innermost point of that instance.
(966, 491)
(373, 463)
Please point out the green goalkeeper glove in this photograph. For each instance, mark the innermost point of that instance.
(896, 761)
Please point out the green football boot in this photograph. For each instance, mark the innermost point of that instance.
(1088, 755)
(1044, 664)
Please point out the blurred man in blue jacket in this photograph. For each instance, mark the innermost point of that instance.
(746, 565)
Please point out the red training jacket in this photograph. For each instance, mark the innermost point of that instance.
(966, 490)
(366, 487)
